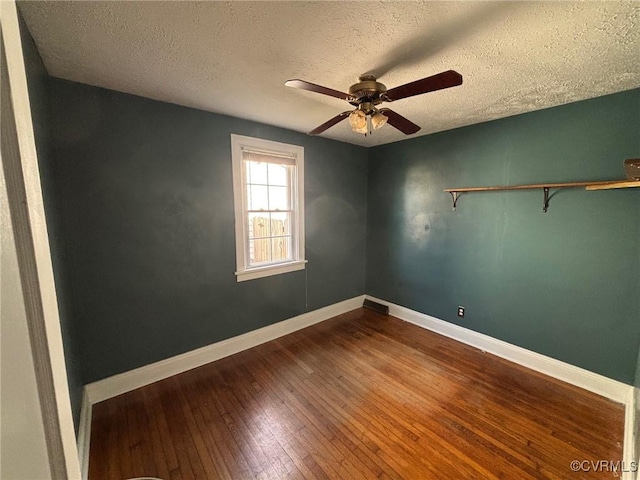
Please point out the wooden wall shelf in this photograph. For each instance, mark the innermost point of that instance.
(600, 185)
(620, 184)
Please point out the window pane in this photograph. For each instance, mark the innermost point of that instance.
(269, 206)
(278, 174)
(280, 223)
(259, 251)
(259, 225)
(256, 172)
(258, 197)
(281, 248)
(278, 198)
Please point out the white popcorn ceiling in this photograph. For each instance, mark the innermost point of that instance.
(234, 57)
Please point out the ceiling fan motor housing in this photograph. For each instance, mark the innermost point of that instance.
(367, 90)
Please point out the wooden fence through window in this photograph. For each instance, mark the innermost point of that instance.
(268, 249)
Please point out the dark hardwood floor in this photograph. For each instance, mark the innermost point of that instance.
(359, 396)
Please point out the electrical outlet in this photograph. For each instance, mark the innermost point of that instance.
(461, 312)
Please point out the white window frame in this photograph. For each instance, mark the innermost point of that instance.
(243, 270)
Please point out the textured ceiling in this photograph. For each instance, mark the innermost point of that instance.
(233, 58)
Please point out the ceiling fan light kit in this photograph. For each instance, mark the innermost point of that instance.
(366, 118)
(357, 120)
(368, 93)
(378, 120)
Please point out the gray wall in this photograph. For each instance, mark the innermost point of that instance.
(38, 85)
(146, 225)
(566, 283)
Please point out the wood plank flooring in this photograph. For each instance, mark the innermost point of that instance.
(359, 396)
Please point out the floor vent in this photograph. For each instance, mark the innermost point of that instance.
(378, 307)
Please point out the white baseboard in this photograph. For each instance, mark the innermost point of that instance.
(112, 386)
(566, 372)
(125, 382)
(607, 387)
(139, 377)
(84, 435)
(628, 452)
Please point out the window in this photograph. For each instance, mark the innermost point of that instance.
(268, 190)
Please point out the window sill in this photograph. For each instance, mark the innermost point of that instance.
(266, 271)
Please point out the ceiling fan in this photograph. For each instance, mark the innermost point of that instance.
(368, 93)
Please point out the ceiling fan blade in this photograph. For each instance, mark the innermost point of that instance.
(442, 80)
(396, 120)
(329, 123)
(312, 87)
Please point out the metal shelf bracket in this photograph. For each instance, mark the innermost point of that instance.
(454, 198)
(545, 207)
(593, 185)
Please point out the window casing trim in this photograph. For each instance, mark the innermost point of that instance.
(243, 270)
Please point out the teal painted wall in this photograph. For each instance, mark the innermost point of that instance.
(38, 87)
(566, 283)
(142, 222)
(146, 214)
